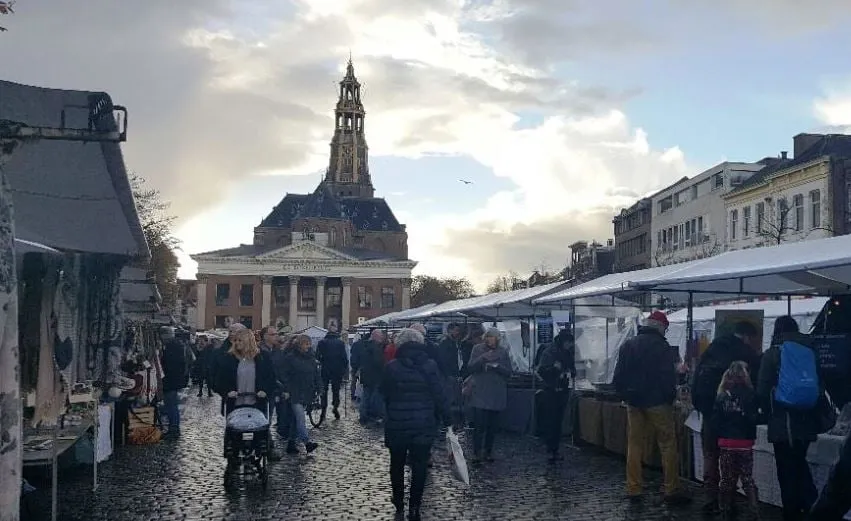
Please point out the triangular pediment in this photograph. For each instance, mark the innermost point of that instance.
(306, 251)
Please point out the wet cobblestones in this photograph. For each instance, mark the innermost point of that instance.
(347, 479)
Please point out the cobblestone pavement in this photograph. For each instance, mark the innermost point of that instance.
(347, 478)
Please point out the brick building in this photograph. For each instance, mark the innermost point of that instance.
(330, 258)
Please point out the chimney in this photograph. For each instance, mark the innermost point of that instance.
(802, 142)
(610, 242)
(783, 155)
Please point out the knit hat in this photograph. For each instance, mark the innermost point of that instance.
(657, 320)
(236, 326)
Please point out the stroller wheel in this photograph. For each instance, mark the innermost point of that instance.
(316, 416)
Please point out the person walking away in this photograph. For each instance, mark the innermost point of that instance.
(734, 421)
(268, 340)
(355, 357)
(557, 368)
(283, 408)
(473, 338)
(788, 392)
(301, 383)
(645, 378)
(449, 361)
(174, 378)
(390, 348)
(331, 354)
(371, 371)
(708, 373)
(413, 391)
(490, 366)
(835, 501)
(202, 365)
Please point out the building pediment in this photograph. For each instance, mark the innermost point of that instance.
(305, 251)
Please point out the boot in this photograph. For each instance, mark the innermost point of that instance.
(753, 504)
(399, 503)
(727, 513)
(414, 513)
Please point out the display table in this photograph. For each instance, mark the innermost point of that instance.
(39, 444)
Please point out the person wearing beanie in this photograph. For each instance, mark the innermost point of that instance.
(556, 369)
(645, 378)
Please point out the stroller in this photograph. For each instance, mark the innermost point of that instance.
(247, 440)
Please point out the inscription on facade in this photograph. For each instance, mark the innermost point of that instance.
(307, 267)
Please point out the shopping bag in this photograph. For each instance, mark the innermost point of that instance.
(358, 391)
(456, 455)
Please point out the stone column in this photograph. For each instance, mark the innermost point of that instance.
(320, 301)
(406, 294)
(201, 306)
(347, 304)
(293, 302)
(266, 301)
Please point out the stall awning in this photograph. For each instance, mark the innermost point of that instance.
(817, 267)
(396, 316)
(506, 304)
(72, 196)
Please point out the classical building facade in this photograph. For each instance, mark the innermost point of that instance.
(333, 257)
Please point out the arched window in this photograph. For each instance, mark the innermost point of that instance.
(332, 236)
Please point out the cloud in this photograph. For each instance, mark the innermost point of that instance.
(833, 109)
(219, 91)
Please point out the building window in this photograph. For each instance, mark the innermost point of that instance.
(782, 215)
(734, 223)
(666, 204)
(717, 181)
(335, 296)
(246, 295)
(688, 233)
(760, 217)
(678, 199)
(281, 295)
(693, 192)
(815, 208)
(660, 240)
(682, 235)
(798, 205)
(746, 221)
(222, 295)
(332, 237)
(307, 298)
(247, 321)
(364, 297)
(676, 238)
(388, 297)
(223, 321)
(700, 238)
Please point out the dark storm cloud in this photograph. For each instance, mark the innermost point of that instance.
(524, 247)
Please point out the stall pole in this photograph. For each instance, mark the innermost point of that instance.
(533, 342)
(54, 475)
(690, 328)
(789, 305)
(96, 444)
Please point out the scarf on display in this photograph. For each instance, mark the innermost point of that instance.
(50, 392)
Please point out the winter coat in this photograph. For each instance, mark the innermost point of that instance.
(489, 384)
(835, 501)
(645, 375)
(447, 357)
(557, 379)
(175, 375)
(389, 353)
(735, 414)
(784, 424)
(717, 358)
(372, 364)
(301, 377)
(357, 354)
(201, 368)
(412, 390)
(466, 351)
(264, 376)
(331, 354)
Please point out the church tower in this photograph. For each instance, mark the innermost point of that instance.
(348, 171)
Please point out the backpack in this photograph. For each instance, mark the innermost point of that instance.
(798, 382)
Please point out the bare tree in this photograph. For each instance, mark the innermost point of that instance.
(776, 231)
(507, 282)
(6, 8)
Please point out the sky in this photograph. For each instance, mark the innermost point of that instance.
(560, 112)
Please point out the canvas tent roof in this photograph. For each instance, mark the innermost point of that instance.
(770, 308)
(72, 196)
(818, 267)
(396, 316)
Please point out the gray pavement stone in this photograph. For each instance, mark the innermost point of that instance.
(347, 479)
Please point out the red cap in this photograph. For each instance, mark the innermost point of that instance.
(658, 316)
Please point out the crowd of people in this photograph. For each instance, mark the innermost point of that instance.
(734, 387)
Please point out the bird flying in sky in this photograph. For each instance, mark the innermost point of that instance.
(466, 182)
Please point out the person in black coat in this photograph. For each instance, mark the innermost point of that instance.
(175, 378)
(835, 501)
(412, 390)
(331, 354)
(201, 368)
(246, 370)
(556, 368)
(301, 383)
(371, 370)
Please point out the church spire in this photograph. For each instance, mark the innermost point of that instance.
(348, 170)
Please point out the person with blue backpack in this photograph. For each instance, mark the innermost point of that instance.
(788, 389)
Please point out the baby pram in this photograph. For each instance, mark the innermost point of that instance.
(247, 440)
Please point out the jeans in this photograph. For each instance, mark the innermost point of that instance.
(300, 423)
(418, 456)
(335, 382)
(484, 431)
(711, 457)
(371, 404)
(641, 423)
(835, 500)
(555, 403)
(171, 410)
(797, 491)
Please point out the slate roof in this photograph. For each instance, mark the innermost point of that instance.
(68, 195)
(368, 214)
(838, 145)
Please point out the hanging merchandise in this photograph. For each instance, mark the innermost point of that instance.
(50, 393)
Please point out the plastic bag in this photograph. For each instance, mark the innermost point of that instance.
(247, 419)
(456, 455)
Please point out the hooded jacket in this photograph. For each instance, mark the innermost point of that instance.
(710, 369)
(645, 374)
(448, 352)
(174, 366)
(301, 377)
(412, 391)
(331, 354)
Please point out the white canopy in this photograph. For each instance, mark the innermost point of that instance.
(817, 267)
(396, 316)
